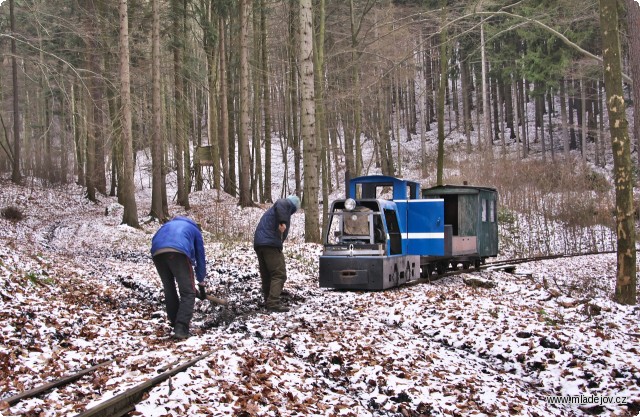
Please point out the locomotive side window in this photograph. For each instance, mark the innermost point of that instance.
(334, 233)
(394, 232)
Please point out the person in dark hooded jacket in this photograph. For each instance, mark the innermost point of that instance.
(177, 248)
(268, 239)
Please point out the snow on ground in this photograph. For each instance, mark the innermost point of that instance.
(77, 289)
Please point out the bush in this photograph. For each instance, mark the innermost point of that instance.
(597, 182)
(12, 213)
(506, 216)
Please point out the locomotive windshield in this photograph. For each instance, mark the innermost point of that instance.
(362, 225)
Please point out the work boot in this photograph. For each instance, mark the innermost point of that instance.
(278, 309)
(181, 332)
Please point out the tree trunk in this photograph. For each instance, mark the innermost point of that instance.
(307, 124)
(396, 126)
(321, 133)
(292, 91)
(157, 159)
(181, 136)
(516, 110)
(466, 104)
(64, 154)
(602, 105)
(210, 38)
(625, 292)
(99, 176)
(257, 179)
(551, 140)
(583, 120)
(229, 183)
(441, 92)
(77, 137)
(522, 100)
(16, 176)
(563, 117)
(130, 215)
(356, 105)
(243, 125)
(266, 104)
(485, 94)
(633, 21)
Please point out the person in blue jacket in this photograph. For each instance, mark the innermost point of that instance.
(177, 249)
(270, 234)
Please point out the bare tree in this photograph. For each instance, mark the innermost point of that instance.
(626, 274)
(442, 86)
(130, 215)
(633, 21)
(243, 126)
(229, 183)
(16, 176)
(307, 122)
(157, 159)
(181, 136)
(266, 103)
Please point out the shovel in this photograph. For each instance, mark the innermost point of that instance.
(212, 299)
(216, 300)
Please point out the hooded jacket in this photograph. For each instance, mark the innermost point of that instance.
(183, 235)
(267, 233)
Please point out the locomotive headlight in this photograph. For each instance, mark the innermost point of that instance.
(349, 204)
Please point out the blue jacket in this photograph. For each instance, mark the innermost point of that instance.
(183, 235)
(267, 233)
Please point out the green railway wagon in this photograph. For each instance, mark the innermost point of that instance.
(471, 213)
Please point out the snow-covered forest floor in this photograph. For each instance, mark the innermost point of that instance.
(77, 289)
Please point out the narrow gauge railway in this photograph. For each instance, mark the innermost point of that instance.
(506, 262)
(508, 265)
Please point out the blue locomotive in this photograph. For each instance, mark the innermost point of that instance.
(375, 243)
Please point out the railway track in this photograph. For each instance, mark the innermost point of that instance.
(118, 405)
(538, 258)
(506, 264)
(126, 401)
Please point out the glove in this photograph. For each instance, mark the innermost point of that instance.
(201, 294)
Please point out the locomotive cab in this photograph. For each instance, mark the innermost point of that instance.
(363, 247)
(362, 227)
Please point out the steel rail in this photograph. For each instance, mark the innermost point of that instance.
(497, 264)
(540, 258)
(46, 387)
(126, 402)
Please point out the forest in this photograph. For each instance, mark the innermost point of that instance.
(207, 88)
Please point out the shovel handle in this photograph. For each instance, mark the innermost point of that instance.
(216, 300)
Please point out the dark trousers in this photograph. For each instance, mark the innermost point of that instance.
(175, 268)
(273, 273)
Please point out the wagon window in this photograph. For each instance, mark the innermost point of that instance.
(484, 209)
(492, 211)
